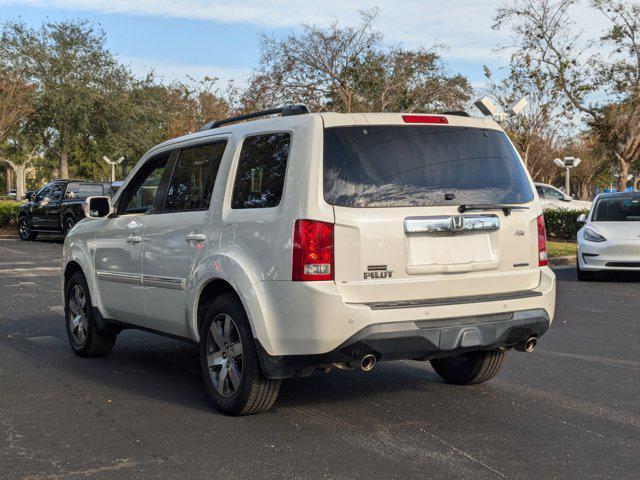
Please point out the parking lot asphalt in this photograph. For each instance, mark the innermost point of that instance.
(569, 410)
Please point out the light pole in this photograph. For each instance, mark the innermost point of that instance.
(567, 163)
(488, 108)
(113, 166)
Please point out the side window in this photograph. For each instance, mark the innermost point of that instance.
(141, 191)
(44, 193)
(191, 184)
(56, 192)
(261, 171)
(540, 191)
(73, 190)
(551, 193)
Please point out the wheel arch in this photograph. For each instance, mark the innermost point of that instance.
(211, 290)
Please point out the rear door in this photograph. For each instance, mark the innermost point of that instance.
(401, 233)
(177, 235)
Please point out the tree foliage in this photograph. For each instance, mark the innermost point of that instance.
(350, 69)
(548, 44)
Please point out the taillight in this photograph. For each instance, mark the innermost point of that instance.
(424, 119)
(312, 251)
(543, 257)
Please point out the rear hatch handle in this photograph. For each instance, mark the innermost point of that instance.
(506, 209)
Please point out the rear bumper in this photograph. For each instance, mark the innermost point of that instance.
(418, 340)
(311, 318)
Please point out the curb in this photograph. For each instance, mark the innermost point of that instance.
(558, 262)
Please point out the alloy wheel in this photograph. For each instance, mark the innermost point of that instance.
(224, 355)
(77, 315)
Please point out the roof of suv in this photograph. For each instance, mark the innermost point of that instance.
(331, 119)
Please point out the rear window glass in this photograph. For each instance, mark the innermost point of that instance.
(261, 171)
(617, 209)
(404, 166)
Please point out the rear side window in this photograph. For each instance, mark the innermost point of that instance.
(405, 166)
(191, 184)
(84, 190)
(261, 171)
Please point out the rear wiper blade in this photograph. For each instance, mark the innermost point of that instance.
(466, 207)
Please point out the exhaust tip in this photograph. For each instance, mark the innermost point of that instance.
(530, 344)
(368, 362)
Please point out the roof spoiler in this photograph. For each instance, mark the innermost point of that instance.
(286, 111)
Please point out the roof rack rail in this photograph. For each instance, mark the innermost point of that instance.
(459, 113)
(283, 111)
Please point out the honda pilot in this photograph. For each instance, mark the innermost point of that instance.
(284, 242)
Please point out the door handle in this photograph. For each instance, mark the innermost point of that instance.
(196, 237)
(134, 240)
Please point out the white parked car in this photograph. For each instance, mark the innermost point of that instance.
(305, 241)
(610, 237)
(552, 197)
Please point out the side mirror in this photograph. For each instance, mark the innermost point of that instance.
(28, 196)
(97, 207)
(567, 198)
(582, 218)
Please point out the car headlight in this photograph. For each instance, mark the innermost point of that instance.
(592, 236)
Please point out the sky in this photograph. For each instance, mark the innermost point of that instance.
(221, 38)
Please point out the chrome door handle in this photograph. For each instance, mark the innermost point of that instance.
(196, 237)
(134, 240)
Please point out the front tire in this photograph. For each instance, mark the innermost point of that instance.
(68, 224)
(229, 361)
(25, 230)
(469, 368)
(86, 337)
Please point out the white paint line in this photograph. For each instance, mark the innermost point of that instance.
(59, 309)
(618, 362)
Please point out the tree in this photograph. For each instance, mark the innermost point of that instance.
(350, 69)
(400, 80)
(74, 76)
(547, 43)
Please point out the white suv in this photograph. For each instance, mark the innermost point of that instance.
(304, 241)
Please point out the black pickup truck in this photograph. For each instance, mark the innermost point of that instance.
(57, 206)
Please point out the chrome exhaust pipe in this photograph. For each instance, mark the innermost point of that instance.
(529, 345)
(368, 362)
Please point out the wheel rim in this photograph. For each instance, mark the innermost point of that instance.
(23, 228)
(224, 355)
(69, 225)
(77, 315)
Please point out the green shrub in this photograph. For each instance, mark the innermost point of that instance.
(562, 224)
(8, 211)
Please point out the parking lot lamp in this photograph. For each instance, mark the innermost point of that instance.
(567, 163)
(113, 164)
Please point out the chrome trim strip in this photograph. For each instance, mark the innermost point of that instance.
(119, 277)
(163, 282)
(451, 224)
(491, 297)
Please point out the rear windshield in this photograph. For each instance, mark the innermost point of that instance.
(618, 209)
(404, 166)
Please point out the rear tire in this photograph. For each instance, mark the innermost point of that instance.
(584, 275)
(229, 361)
(86, 337)
(469, 368)
(25, 230)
